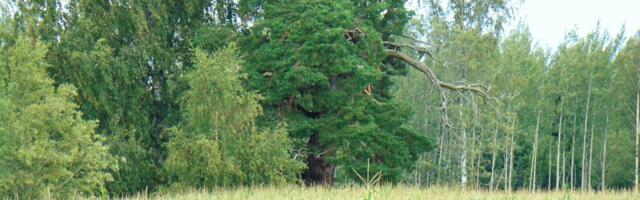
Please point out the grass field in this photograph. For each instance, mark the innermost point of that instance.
(384, 192)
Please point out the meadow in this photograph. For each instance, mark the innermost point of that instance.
(382, 192)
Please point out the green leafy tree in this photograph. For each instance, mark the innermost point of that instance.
(46, 148)
(627, 99)
(127, 58)
(218, 143)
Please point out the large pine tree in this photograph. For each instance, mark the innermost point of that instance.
(322, 68)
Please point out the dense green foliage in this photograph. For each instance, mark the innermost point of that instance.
(313, 78)
(46, 148)
(127, 60)
(218, 143)
(125, 96)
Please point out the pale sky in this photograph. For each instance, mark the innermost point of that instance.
(549, 20)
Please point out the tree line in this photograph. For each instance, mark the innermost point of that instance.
(566, 117)
(117, 97)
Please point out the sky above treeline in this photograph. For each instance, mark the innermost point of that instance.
(550, 20)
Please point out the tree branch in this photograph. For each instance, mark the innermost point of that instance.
(419, 49)
(479, 90)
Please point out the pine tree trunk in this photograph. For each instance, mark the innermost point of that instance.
(319, 171)
(535, 156)
(558, 149)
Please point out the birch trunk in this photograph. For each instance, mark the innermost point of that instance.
(603, 182)
(535, 156)
(590, 158)
(440, 151)
(511, 154)
(558, 148)
(637, 152)
(463, 156)
(494, 153)
(564, 163)
(573, 151)
(549, 172)
(505, 166)
(584, 139)
(473, 146)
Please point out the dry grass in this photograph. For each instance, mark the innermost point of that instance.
(384, 192)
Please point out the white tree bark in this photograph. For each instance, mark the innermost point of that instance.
(463, 156)
(494, 153)
(564, 164)
(558, 148)
(532, 186)
(637, 153)
(584, 139)
(549, 172)
(590, 158)
(511, 154)
(573, 151)
(603, 167)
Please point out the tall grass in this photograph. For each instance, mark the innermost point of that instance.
(382, 192)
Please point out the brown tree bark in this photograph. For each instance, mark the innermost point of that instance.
(319, 171)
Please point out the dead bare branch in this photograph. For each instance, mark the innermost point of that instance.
(479, 90)
(419, 49)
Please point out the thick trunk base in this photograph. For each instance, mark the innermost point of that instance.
(319, 171)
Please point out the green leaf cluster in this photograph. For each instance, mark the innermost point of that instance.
(218, 143)
(47, 150)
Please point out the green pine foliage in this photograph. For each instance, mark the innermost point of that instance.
(313, 78)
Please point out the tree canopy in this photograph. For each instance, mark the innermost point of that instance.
(120, 97)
